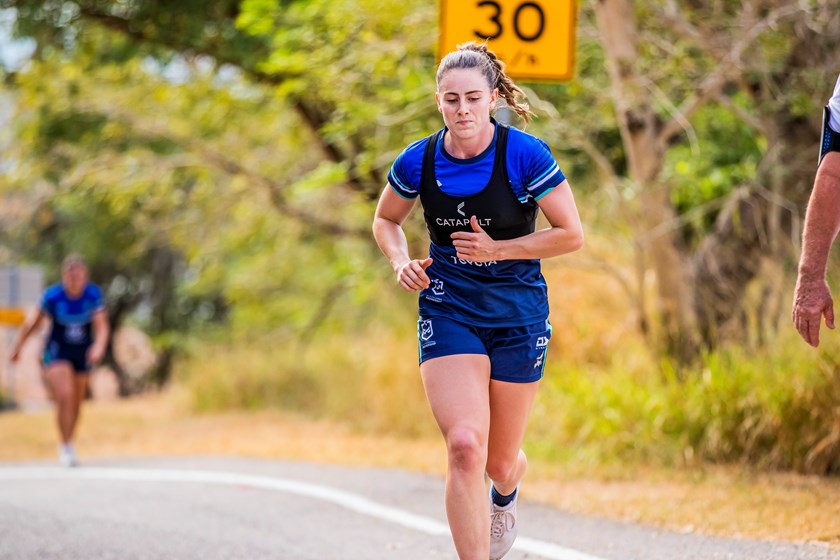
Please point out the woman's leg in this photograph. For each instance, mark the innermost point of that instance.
(80, 382)
(457, 389)
(59, 375)
(510, 409)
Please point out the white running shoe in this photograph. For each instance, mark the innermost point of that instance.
(502, 528)
(67, 456)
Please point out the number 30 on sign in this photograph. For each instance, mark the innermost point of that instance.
(536, 40)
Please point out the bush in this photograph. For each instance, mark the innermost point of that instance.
(606, 400)
(369, 380)
(778, 408)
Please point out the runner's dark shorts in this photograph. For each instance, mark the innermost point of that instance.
(517, 354)
(75, 354)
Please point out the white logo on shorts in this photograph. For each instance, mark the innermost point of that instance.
(539, 361)
(542, 342)
(74, 332)
(426, 329)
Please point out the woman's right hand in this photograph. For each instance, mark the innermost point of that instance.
(412, 275)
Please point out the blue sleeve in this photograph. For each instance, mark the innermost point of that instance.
(404, 176)
(531, 167)
(94, 295)
(48, 301)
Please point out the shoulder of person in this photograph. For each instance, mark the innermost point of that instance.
(93, 290)
(406, 169)
(418, 146)
(526, 150)
(54, 291)
(412, 154)
(525, 141)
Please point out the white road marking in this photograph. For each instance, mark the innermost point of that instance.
(347, 500)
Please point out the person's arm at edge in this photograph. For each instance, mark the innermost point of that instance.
(812, 298)
(25, 333)
(564, 236)
(391, 211)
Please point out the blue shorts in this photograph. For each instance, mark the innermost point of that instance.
(517, 354)
(76, 355)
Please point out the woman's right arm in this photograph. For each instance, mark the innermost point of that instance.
(391, 212)
(25, 332)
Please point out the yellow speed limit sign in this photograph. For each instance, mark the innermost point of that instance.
(12, 316)
(536, 40)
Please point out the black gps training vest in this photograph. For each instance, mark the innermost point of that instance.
(497, 209)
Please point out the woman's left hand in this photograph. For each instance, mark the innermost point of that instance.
(95, 354)
(475, 246)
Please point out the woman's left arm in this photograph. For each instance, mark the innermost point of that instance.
(564, 236)
(101, 332)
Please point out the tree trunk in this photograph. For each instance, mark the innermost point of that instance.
(645, 150)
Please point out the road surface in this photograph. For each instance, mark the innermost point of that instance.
(232, 508)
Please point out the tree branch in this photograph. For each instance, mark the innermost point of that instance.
(714, 82)
(222, 163)
(580, 139)
(747, 118)
(310, 116)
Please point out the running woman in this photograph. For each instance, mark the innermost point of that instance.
(77, 340)
(483, 329)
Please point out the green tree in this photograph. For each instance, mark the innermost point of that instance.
(699, 155)
(180, 181)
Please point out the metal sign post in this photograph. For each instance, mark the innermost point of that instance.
(20, 287)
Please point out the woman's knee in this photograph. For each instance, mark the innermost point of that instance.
(61, 385)
(500, 468)
(64, 397)
(467, 451)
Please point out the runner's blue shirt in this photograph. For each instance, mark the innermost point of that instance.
(495, 294)
(72, 317)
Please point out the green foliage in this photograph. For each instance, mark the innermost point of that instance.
(197, 25)
(702, 174)
(155, 149)
(366, 379)
(772, 409)
(126, 180)
(367, 64)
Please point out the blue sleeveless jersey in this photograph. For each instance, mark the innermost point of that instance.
(509, 293)
(72, 318)
(506, 293)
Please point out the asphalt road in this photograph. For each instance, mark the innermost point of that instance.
(225, 508)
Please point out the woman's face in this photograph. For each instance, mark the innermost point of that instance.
(74, 277)
(465, 100)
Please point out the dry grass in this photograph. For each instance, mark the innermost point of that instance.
(162, 425)
(722, 500)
